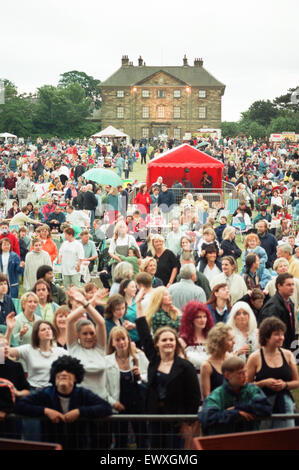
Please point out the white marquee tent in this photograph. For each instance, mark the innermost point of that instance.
(7, 135)
(110, 131)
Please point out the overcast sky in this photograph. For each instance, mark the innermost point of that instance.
(250, 46)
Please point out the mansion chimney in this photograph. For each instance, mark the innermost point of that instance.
(198, 62)
(125, 61)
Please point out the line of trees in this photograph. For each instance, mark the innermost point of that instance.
(266, 117)
(61, 111)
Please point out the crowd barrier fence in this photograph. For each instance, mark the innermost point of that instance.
(119, 431)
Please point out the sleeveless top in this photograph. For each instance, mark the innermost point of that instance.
(216, 378)
(129, 395)
(161, 380)
(283, 372)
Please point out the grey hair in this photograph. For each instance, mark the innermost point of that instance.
(83, 322)
(286, 248)
(123, 270)
(187, 256)
(187, 271)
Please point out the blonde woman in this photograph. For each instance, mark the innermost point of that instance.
(161, 311)
(149, 265)
(167, 264)
(126, 370)
(219, 345)
(26, 319)
(228, 244)
(121, 242)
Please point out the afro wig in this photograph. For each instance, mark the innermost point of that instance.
(69, 364)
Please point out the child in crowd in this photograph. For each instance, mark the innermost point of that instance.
(234, 405)
(208, 239)
(134, 258)
(252, 245)
(221, 227)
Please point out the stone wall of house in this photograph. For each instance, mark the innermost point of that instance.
(141, 116)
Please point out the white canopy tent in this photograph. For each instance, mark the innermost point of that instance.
(110, 131)
(7, 135)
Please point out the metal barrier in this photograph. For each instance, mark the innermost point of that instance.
(154, 432)
(216, 197)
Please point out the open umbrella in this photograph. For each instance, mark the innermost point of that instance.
(202, 144)
(102, 176)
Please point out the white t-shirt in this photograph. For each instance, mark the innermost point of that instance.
(146, 300)
(79, 218)
(276, 201)
(128, 240)
(211, 273)
(93, 361)
(5, 257)
(71, 253)
(64, 403)
(39, 363)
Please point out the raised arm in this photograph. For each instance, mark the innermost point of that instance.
(97, 299)
(10, 324)
(143, 328)
(73, 317)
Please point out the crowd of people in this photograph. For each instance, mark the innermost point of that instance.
(137, 300)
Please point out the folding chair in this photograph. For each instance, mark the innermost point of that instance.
(232, 205)
(239, 224)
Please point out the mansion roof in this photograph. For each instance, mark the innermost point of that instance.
(129, 75)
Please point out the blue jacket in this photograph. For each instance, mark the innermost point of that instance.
(219, 231)
(53, 216)
(109, 325)
(269, 243)
(14, 270)
(6, 307)
(90, 405)
(214, 314)
(166, 199)
(70, 436)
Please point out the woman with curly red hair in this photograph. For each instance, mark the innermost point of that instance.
(196, 322)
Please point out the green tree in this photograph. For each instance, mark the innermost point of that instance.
(89, 84)
(257, 131)
(61, 111)
(287, 123)
(17, 111)
(261, 112)
(230, 129)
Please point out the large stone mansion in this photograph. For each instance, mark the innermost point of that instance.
(147, 101)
